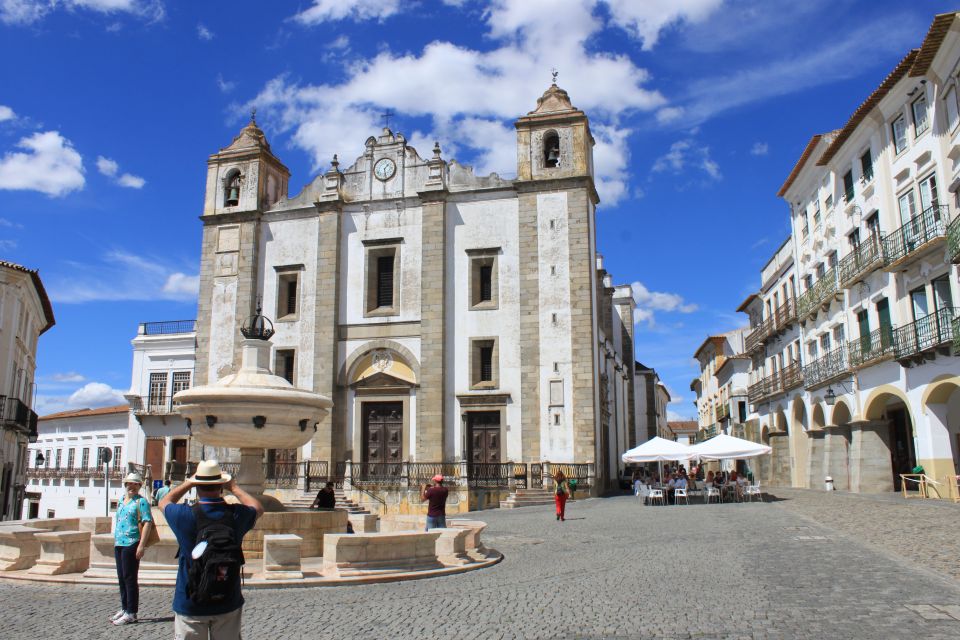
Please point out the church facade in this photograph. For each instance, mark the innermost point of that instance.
(451, 317)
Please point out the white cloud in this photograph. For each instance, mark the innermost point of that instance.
(21, 12)
(182, 286)
(225, 86)
(69, 376)
(49, 165)
(120, 275)
(203, 33)
(759, 149)
(647, 19)
(358, 10)
(649, 302)
(673, 416)
(684, 154)
(342, 42)
(669, 114)
(10, 224)
(6, 113)
(95, 394)
(110, 168)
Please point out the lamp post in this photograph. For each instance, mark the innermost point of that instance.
(830, 397)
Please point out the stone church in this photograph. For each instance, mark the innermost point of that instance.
(451, 317)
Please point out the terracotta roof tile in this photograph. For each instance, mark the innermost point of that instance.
(83, 413)
(931, 44)
(683, 426)
(811, 145)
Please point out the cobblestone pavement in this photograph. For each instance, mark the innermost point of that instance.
(613, 570)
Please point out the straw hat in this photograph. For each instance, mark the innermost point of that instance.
(208, 472)
(133, 477)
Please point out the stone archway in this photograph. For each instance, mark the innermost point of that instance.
(799, 443)
(939, 453)
(841, 414)
(816, 440)
(836, 445)
(779, 440)
(882, 447)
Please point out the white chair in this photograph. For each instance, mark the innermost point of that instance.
(680, 493)
(712, 492)
(643, 492)
(752, 490)
(656, 494)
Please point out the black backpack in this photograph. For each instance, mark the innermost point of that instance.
(214, 577)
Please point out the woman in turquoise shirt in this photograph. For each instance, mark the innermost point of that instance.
(128, 548)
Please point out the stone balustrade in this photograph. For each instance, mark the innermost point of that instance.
(159, 564)
(371, 553)
(19, 547)
(281, 557)
(62, 552)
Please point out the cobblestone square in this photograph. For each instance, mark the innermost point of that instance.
(806, 565)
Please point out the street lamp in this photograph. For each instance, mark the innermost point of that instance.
(830, 397)
(40, 459)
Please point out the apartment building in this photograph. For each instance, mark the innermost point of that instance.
(853, 373)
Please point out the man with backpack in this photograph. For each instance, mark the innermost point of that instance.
(207, 600)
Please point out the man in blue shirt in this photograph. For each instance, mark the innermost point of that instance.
(195, 621)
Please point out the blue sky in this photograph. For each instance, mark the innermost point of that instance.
(109, 109)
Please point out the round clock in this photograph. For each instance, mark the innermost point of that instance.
(384, 169)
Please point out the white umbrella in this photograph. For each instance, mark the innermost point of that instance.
(724, 447)
(657, 450)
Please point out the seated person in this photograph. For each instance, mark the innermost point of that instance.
(711, 479)
(680, 482)
(326, 498)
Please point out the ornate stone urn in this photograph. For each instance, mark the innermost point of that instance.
(253, 410)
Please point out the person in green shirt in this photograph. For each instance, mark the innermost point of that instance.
(162, 491)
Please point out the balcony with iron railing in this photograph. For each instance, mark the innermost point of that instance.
(156, 405)
(781, 318)
(723, 411)
(919, 339)
(760, 333)
(827, 368)
(17, 415)
(167, 327)
(956, 334)
(867, 257)
(871, 348)
(953, 240)
(916, 238)
(778, 382)
(822, 292)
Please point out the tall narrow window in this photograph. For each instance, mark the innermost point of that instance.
(71, 457)
(941, 293)
(385, 281)
(231, 196)
(920, 121)
(158, 390)
(85, 458)
(381, 278)
(866, 167)
(483, 278)
(873, 224)
(848, 191)
(181, 381)
(486, 280)
(288, 283)
(805, 225)
(551, 149)
(908, 206)
(854, 239)
(483, 365)
(116, 457)
(950, 103)
(284, 366)
(816, 213)
(899, 129)
(486, 364)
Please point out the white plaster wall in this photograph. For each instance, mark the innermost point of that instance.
(556, 441)
(222, 333)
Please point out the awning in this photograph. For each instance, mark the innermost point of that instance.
(724, 447)
(657, 450)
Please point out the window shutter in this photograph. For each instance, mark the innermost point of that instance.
(486, 273)
(486, 364)
(385, 281)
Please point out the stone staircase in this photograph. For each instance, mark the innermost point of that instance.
(306, 499)
(527, 498)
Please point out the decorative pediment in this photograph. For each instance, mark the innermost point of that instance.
(381, 380)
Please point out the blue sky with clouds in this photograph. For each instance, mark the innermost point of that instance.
(109, 109)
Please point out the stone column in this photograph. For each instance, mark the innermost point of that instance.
(430, 400)
(815, 468)
(779, 459)
(836, 457)
(871, 470)
(328, 442)
(530, 418)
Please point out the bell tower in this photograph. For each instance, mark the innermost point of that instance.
(554, 140)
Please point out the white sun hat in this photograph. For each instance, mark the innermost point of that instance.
(133, 477)
(208, 472)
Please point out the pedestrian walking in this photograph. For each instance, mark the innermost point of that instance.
(436, 496)
(132, 527)
(207, 601)
(162, 491)
(560, 494)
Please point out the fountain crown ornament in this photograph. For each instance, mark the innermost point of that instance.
(258, 326)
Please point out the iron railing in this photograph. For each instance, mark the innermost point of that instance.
(167, 327)
(155, 405)
(822, 290)
(315, 473)
(779, 381)
(283, 475)
(381, 474)
(420, 473)
(873, 347)
(75, 473)
(865, 258)
(573, 471)
(781, 318)
(536, 475)
(755, 338)
(723, 411)
(931, 331)
(828, 367)
(953, 240)
(956, 334)
(920, 230)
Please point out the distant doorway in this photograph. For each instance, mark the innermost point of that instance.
(902, 455)
(382, 432)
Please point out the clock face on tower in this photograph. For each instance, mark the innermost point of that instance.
(384, 169)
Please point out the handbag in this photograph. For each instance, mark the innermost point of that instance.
(153, 537)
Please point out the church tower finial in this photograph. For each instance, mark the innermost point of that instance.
(253, 113)
(554, 73)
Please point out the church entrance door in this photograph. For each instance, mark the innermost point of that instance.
(382, 439)
(483, 446)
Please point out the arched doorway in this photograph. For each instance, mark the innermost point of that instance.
(836, 455)
(890, 406)
(778, 439)
(799, 443)
(816, 442)
(940, 455)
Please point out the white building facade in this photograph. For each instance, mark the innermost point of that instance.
(856, 378)
(25, 314)
(451, 317)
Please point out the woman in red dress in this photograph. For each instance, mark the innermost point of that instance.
(560, 494)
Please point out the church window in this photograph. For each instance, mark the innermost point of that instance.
(483, 363)
(288, 283)
(551, 149)
(284, 364)
(231, 195)
(383, 261)
(483, 278)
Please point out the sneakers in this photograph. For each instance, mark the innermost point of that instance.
(126, 618)
(117, 615)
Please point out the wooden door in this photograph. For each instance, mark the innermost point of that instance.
(179, 453)
(153, 457)
(483, 437)
(382, 432)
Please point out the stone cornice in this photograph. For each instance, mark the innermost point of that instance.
(226, 218)
(554, 184)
